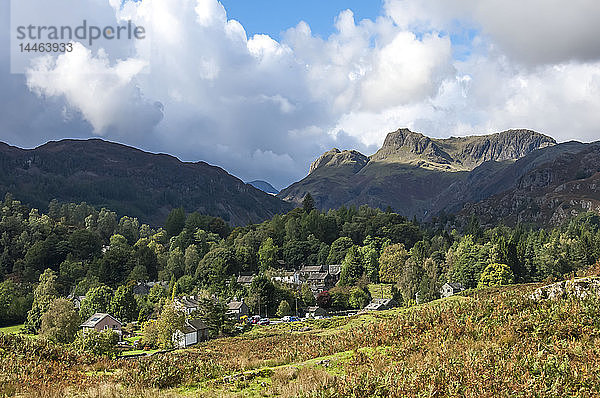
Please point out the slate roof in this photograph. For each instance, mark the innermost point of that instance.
(235, 305)
(95, 319)
(311, 268)
(197, 324)
(456, 285)
(318, 276)
(245, 279)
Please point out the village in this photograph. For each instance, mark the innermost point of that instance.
(195, 330)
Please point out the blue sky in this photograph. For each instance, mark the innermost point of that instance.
(275, 16)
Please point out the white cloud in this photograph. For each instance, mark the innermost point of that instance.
(264, 109)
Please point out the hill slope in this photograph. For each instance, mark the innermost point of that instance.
(486, 343)
(130, 181)
(264, 186)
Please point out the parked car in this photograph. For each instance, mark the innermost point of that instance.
(254, 319)
(264, 322)
(294, 319)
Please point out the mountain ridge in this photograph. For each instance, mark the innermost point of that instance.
(129, 180)
(421, 176)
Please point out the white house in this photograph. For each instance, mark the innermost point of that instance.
(450, 289)
(193, 332)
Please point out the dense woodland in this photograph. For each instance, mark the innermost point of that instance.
(76, 249)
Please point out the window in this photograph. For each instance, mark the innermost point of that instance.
(105, 327)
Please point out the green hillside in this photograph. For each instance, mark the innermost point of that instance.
(487, 342)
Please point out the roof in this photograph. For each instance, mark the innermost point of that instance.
(245, 278)
(315, 309)
(197, 324)
(97, 318)
(455, 285)
(318, 276)
(311, 268)
(235, 305)
(188, 302)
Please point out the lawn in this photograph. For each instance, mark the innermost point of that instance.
(12, 329)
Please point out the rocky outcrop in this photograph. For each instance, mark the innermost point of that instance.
(575, 288)
(336, 158)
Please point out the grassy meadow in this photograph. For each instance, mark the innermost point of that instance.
(491, 342)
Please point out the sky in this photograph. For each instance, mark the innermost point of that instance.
(262, 88)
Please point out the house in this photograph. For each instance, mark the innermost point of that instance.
(237, 309)
(307, 270)
(313, 312)
(450, 289)
(143, 288)
(245, 280)
(76, 300)
(193, 332)
(335, 270)
(187, 304)
(380, 305)
(100, 322)
(290, 278)
(320, 281)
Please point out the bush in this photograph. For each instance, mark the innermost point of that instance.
(98, 343)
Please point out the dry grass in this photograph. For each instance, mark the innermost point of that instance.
(493, 342)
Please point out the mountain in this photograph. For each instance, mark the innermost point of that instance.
(542, 188)
(129, 181)
(264, 186)
(421, 176)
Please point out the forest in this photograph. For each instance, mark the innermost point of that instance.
(75, 249)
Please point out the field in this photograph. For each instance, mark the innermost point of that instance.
(487, 343)
(12, 329)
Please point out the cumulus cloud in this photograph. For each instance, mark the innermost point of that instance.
(201, 89)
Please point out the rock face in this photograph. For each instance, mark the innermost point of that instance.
(544, 188)
(459, 153)
(414, 174)
(129, 181)
(577, 288)
(353, 160)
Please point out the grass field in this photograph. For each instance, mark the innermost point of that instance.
(493, 342)
(12, 329)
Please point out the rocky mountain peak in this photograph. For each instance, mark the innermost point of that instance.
(337, 158)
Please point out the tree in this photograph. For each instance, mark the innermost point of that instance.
(15, 301)
(359, 297)
(308, 203)
(324, 299)
(45, 292)
(496, 274)
(175, 222)
(185, 284)
(85, 244)
(98, 343)
(392, 262)
(123, 305)
(308, 298)
(216, 267)
(262, 294)
(214, 315)
(338, 250)
(60, 322)
(169, 321)
(352, 268)
(284, 309)
(97, 299)
(267, 255)
(370, 260)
